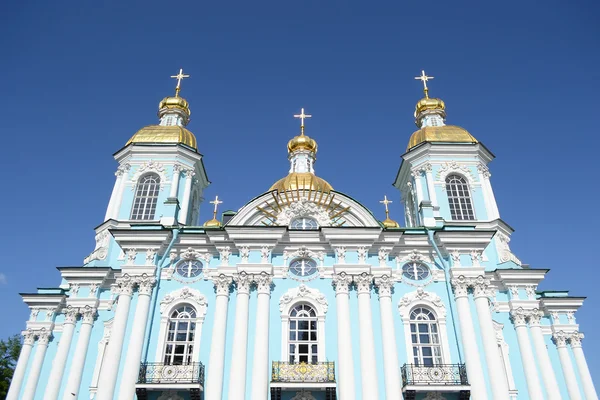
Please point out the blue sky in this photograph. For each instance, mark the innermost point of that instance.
(77, 79)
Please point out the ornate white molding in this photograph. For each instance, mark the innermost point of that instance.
(421, 297)
(383, 255)
(303, 293)
(263, 282)
(147, 167)
(244, 254)
(504, 252)
(243, 282)
(223, 284)
(363, 282)
(101, 250)
(341, 254)
(414, 256)
(150, 254)
(265, 252)
(304, 252)
(384, 285)
(225, 253)
(185, 295)
(362, 255)
(342, 282)
(303, 208)
(453, 167)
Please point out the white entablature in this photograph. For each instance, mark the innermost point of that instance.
(304, 204)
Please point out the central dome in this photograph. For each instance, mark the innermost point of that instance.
(301, 181)
(159, 134)
(445, 133)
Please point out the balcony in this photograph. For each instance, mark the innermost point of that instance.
(161, 376)
(314, 377)
(446, 378)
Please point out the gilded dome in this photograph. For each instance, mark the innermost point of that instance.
(302, 142)
(445, 133)
(177, 102)
(157, 134)
(429, 104)
(301, 180)
(390, 223)
(213, 223)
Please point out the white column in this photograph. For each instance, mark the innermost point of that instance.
(495, 367)
(36, 365)
(239, 350)
(185, 204)
(112, 356)
(430, 186)
(584, 372)
(216, 362)
(345, 359)
(534, 388)
(260, 365)
(131, 368)
(19, 374)
(58, 365)
(560, 339)
(113, 195)
(368, 364)
(175, 181)
(417, 175)
(541, 352)
(469, 340)
(488, 193)
(116, 207)
(88, 314)
(391, 367)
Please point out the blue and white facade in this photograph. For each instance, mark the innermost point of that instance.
(302, 294)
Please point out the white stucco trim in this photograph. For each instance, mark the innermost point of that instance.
(317, 300)
(102, 344)
(170, 302)
(422, 298)
(146, 168)
(503, 349)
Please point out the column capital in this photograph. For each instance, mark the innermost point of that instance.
(222, 285)
(122, 169)
(242, 283)
(145, 284)
(88, 315)
(483, 170)
(560, 338)
(263, 282)
(481, 286)
(43, 336)
(70, 315)
(124, 285)
(519, 317)
(28, 337)
(575, 339)
(189, 174)
(340, 252)
(177, 168)
(535, 317)
(363, 283)
(384, 286)
(460, 286)
(342, 282)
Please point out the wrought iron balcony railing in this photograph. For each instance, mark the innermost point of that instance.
(322, 372)
(440, 374)
(192, 373)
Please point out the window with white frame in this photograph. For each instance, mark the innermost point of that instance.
(415, 271)
(303, 334)
(146, 197)
(459, 198)
(304, 223)
(179, 346)
(425, 337)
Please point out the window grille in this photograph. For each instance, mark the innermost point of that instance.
(303, 340)
(461, 206)
(146, 197)
(425, 338)
(180, 336)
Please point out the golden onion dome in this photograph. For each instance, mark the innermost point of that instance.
(213, 223)
(390, 223)
(302, 142)
(157, 134)
(175, 102)
(301, 181)
(445, 133)
(426, 104)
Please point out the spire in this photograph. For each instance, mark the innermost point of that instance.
(214, 222)
(388, 223)
(175, 110)
(429, 112)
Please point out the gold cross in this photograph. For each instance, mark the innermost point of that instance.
(216, 202)
(385, 202)
(302, 116)
(424, 78)
(180, 76)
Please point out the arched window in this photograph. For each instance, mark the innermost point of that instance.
(304, 223)
(180, 336)
(425, 337)
(146, 197)
(461, 206)
(302, 334)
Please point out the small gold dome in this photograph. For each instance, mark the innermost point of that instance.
(390, 223)
(213, 223)
(301, 180)
(175, 102)
(302, 142)
(429, 104)
(445, 133)
(164, 134)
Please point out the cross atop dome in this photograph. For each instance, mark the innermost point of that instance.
(180, 76)
(302, 116)
(424, 78)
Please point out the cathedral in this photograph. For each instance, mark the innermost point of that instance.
(302, 294)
